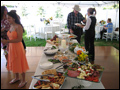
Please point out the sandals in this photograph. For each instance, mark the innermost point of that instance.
(22, 84)
(14, 81)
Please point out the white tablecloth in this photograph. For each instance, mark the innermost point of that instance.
(69, 83)
(98, 28)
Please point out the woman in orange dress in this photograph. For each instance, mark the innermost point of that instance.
(17, 62)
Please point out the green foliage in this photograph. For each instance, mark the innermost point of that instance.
(24, 11)
(115, 6)
(41, 11)
(9, 6)
(59, 13)
(38, 42)
(65, 26)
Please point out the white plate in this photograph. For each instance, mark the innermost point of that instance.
(46, 65)
(77, 24)
(82, 23)
(63, 35)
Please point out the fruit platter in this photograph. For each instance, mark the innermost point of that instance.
(54, 82)
(89, 72)
(54, 41)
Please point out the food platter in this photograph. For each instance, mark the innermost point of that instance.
(72, 36)
(55, 82)
(67, 36)
(91, 74)
(63, 35)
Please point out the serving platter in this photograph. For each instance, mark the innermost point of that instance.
(91, 74)
(55, 82)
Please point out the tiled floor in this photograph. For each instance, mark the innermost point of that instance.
(106, 56)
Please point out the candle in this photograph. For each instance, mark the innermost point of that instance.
(63, 43)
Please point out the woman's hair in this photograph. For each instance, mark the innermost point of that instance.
(109, 19)
(92, 10)
(2, 11)
(15, 12)
(15, 16)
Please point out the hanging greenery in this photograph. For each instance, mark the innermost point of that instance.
(41, 11)
(24, 11)
(115, 6)
(58, 13)
(9, 6)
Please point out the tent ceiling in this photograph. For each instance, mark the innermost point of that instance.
(82, 3)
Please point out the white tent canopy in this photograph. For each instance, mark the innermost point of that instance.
(81, 3)
(69, 4)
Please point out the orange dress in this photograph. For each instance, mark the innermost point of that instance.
(17, 62)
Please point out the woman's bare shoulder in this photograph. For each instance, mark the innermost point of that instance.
(19, 27)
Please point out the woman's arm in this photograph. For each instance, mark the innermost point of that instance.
(88, 23)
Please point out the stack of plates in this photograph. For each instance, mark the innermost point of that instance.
(46, 65)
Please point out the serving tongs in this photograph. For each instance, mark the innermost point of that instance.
(46, 80)
(61, 65)
(48, 48)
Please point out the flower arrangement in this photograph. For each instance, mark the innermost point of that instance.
(82, 55)
(102, 22)
(48, 20)
(51, 18)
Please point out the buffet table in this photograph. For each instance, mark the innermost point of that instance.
(69, 83)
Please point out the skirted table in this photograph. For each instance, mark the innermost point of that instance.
(69, 82)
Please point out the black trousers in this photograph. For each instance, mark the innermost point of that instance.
(23, 44)
(78, 32)
(89, 44)
(101, 32)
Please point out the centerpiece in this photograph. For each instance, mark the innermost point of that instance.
(102, 22)
(82, 56)
(47, 21)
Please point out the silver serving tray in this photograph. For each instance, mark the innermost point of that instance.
(60, 86)
(101, 72)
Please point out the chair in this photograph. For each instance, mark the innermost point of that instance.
(37, 32)
(109, 33)
(48, 31)
(31, 32)
(116, 35)
(97, 32)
